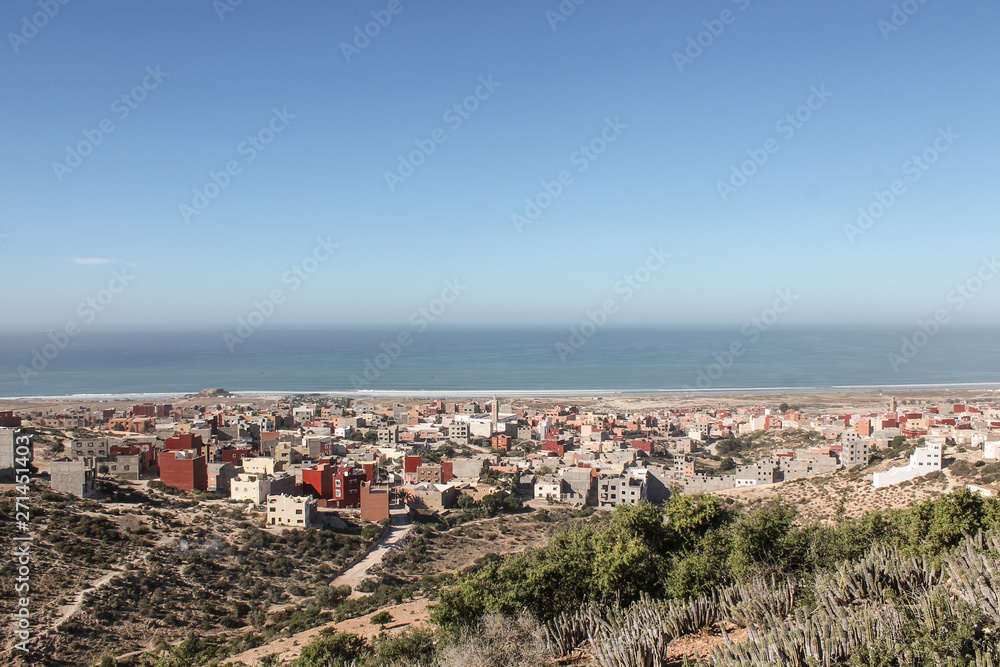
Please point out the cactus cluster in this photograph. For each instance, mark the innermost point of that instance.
(865, 612)
(639, 635)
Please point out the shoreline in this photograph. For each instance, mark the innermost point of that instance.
(430, 394)
(861, 400)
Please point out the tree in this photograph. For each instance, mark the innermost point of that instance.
(412, 647)
(491, 504)
(339, 649)
(689, 518)
(630, 553)
(542, 471)
(763, 540)
(513, 501)
(728, 445)
(783, 408)
(465, 502)
(329, 597)
(382, 618)
(727, 464)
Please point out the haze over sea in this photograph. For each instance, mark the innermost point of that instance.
(480, 361)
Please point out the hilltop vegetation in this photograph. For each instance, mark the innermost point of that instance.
(901, 587)
(695, 544)
(167, 569)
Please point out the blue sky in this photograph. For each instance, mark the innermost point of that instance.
(655, 185)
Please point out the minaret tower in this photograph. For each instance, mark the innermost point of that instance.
(496, 413)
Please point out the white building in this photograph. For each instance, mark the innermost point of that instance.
(924, 460)
(543, 426)
(854, 450)
(548, 488)
(990, 449)
(297, 511)
(988, 441)
(259, 465)
(249, 486)
(303, 414)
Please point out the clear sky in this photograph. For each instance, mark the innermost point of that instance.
(346, 115)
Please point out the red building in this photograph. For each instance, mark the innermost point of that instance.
(447, 471)
(410, 465)
(317, 481)
(339, 485)
(347, 482)
(9, 420)
(554, 447)
(500, 441)
(151, 410)
(234, 456)
(374, 502)
(143, 450)
(643, 446)
(184, 441)
(184, 471)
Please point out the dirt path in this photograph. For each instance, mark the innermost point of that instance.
(68, 610)
(357, 572)
(404, 616)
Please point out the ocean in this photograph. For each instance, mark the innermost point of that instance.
(508, 361)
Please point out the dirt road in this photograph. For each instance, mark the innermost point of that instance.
(354, 575)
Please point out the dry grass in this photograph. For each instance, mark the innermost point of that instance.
(819, 498)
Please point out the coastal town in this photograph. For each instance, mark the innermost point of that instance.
(393, 499)
(300, 460)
